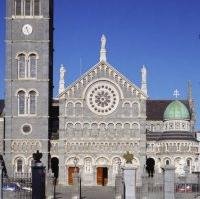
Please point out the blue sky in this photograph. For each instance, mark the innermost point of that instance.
(162, 34)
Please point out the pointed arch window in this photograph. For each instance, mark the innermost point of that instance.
(32, 102)
(27, 102)
(18, 7)
(27, 66)
(21, 102)
(21, 65)
(19, 165)
(32, 66)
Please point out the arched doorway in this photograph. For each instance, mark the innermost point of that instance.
(71, 171)
(55, 166)
(150, 166)
(102, 176)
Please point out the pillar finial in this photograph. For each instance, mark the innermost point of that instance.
(103, 49)
(62, 79)
(144, 79)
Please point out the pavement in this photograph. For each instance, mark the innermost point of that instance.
(95, 192)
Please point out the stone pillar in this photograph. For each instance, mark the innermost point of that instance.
(1, 181)
(169, 181)
(76, 193)
(95, 175)
(130, 181)
(110, 178)
(144, 186)
(50, 185)
(63, 170)
(119, 186)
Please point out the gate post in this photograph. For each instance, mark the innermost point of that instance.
(130, 181)
(129, 176)
(38, 177)
(169, 181)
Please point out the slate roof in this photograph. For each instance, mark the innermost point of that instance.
(1, 106)
(172, 135)
(155, 108)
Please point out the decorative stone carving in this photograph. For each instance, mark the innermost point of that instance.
(102, 97)
(25, 146)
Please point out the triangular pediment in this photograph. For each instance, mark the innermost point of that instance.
(108, 72)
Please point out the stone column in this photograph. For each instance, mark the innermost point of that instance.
(119, 186)
(63, 171)
(130, 181)
(169, 181)
(144, 186)
(110, 178)
(50, 183)
(95, 175)
(76, 186)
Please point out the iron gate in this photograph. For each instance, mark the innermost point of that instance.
(19, 186)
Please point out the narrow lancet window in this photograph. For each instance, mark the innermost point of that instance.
(32, 102)
(21, 102)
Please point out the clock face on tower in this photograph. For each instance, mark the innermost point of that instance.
(27, 29)
(102, 97)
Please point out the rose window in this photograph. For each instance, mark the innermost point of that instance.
(102, 98)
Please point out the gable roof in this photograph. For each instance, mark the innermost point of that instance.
(155, 108)
(111, 68)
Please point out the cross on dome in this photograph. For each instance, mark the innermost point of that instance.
(176, 93)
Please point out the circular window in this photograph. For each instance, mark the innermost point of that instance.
(26, 128)
(102, 98)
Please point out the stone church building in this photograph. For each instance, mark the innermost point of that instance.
(94, 121)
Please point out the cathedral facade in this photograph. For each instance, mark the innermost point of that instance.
(94, 121)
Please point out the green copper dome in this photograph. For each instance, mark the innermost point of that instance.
(176, 110)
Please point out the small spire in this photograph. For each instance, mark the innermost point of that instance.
(103, 49)
(190, 91)
(144, 79)
(191, 105)
(62, 79)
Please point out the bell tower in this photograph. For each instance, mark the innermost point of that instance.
(29, 81)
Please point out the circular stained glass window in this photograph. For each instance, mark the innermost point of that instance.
(26, 128)
(102, 98)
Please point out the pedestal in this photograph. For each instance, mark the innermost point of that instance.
(169, 181)
(130, 181)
